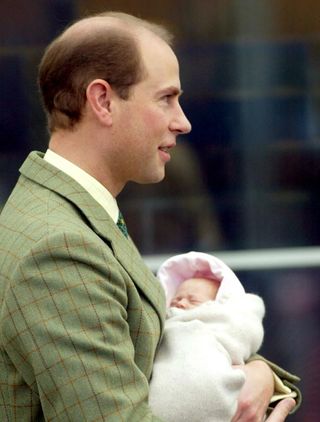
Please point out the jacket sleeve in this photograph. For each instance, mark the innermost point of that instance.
(284, 381)
(66, 330)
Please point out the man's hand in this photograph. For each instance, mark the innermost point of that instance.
(281, 411)
(256, 393)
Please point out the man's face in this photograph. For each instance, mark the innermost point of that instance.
(152, 117)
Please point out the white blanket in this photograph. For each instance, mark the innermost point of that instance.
(193, 378)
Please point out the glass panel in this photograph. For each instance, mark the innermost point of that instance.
(246, 177)
(292, 334)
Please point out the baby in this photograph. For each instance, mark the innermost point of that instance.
(212, 325)
(194, 291)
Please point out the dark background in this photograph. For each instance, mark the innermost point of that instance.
(245, 178)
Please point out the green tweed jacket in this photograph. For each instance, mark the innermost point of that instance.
(81, 314)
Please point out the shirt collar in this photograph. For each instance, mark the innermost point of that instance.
(89, 183)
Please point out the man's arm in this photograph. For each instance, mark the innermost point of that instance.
(67, 332)
(256, 394)
(284, 383)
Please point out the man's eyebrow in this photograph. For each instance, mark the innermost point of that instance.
(172, 90)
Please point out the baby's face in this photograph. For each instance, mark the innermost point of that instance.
(193, 292)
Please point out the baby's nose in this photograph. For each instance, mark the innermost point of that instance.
(182, 303)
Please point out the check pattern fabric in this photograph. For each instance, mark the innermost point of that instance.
(81, 315)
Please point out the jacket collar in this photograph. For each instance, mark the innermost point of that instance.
(43, 173)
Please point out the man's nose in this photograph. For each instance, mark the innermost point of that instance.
(181, 124)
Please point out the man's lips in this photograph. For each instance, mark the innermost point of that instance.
(166, 148)
(165, 152)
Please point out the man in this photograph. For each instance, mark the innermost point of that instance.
(81, 315)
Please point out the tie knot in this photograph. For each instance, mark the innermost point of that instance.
(122, 225)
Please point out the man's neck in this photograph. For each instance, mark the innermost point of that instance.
(81, 150)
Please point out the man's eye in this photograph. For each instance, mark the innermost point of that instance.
(167, 97)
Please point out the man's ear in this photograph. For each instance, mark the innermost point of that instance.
(99, 97)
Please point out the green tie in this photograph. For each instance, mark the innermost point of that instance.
(122, 225)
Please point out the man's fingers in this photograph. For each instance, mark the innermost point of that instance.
(281, 411)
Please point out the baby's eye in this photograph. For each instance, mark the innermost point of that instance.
(194, 301)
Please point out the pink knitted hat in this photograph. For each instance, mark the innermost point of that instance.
(197, 264)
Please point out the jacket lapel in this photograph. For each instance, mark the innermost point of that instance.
(43, 173)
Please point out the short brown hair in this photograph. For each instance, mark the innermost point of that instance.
(70, 63)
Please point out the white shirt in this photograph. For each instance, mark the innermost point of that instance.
(89, 183)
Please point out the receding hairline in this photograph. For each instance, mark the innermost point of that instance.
(108, 45)
(115, 21)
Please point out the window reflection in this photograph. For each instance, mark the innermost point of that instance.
(292, 333)
(247, 176)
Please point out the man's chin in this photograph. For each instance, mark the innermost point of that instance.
(150, 180)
